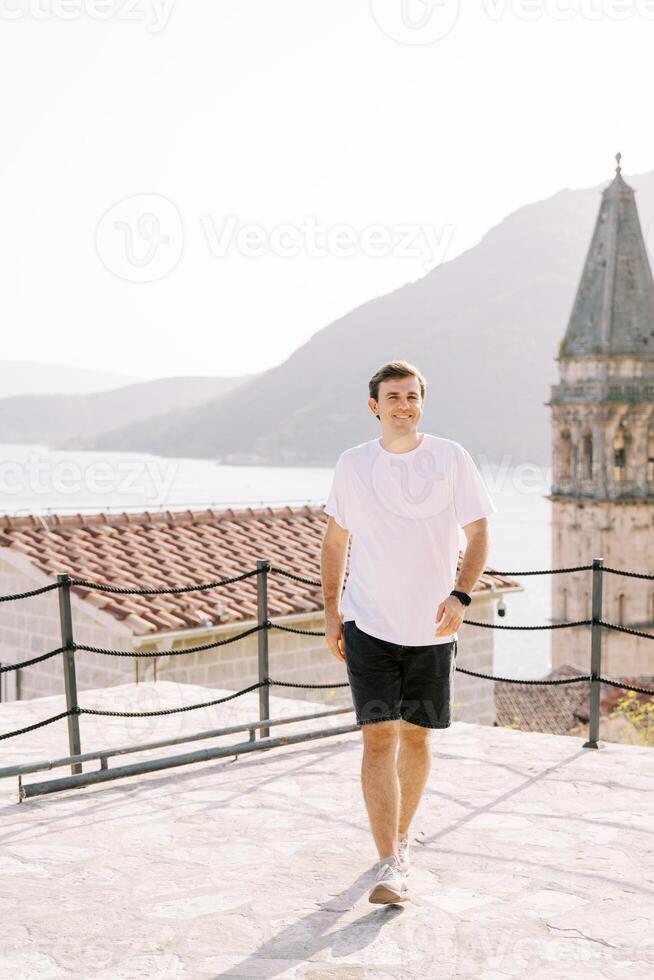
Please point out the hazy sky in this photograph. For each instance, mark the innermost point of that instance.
(197, 187)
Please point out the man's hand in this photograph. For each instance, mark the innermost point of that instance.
(334, 635)
(451, 612)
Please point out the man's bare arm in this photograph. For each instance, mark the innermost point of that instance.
(475, 555)
(451, 609)
(333, 559)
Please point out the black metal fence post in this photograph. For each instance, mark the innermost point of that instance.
(263, 568)
(70, 679)
(595, 656)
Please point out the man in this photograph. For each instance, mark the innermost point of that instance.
(400, 499)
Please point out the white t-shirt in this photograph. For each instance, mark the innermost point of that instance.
(403, 512)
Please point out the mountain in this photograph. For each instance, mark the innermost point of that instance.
(76, 421)
(484, 328)
(37, 378)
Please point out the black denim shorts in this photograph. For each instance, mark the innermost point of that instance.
(391, 681)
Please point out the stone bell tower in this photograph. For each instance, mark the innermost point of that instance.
(603, 444)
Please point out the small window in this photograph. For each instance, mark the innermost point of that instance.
(619, 453)
(587, 456)
(565, 455)
(622, 609)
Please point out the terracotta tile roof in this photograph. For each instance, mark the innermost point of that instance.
(174, 548)
(532, 708)
(557, 709)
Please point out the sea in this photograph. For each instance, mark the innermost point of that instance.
(36, 479)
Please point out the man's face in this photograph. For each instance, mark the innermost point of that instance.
(399, 404)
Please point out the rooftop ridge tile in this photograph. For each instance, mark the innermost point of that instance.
(185, 516)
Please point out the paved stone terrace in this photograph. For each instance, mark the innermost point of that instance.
(532, 857)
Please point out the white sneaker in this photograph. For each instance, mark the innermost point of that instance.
(403, 850)
(390, 885)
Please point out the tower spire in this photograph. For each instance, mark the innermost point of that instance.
(613, 311)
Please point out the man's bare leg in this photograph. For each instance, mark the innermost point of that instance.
(413, 766)
(379, 780)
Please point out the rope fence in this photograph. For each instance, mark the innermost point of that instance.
(264, 625)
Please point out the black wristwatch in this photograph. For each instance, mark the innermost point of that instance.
(463, 596)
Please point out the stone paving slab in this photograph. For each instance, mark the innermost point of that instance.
(532, 856)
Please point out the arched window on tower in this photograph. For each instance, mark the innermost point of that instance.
(564, 606)
(587, 610)
(565, 455)
(650, 451)
(619, 453)
(587, 455)
(650, 608)
(622, 608)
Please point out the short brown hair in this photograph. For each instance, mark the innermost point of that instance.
(395, 369)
